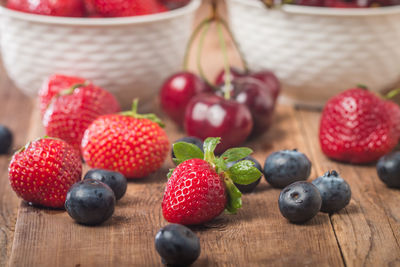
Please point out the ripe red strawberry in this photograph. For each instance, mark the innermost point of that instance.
(54, 85)
(125, 8)
(198, 190)
(357, 127)
(74, 109)
(61, 8)
(132, 144)
(43, 171)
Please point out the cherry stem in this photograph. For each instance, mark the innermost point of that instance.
(392, 93)
(236, 43)
(228, 78)
(200, 53)
(195, 33)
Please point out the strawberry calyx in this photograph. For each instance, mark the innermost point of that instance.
(362, 86)
(391, 94)
(243, 172)
(70, 90)
(25, 147)
(134, 113)
(65, 92)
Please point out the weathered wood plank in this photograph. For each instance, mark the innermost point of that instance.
(258, 235)
(15, 114)
(368, 229)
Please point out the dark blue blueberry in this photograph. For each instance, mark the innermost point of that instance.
(90, 202)
(300, 202)
(285, 167)
(177, 245)
(388, 168)
(335, 192)
(250, 187)
(115, 180)
(6, 139)
(189, 139)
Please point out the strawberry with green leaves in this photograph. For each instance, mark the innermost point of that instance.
(201, 187)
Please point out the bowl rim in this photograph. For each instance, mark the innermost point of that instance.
(326, 11)
(187, 9)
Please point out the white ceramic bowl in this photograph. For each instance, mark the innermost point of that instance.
(317, 52)
(128, 56)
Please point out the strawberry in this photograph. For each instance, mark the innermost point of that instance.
(54, 85)
(202, 185)
(72, 110)
(125, 8)
(43, 171)
(61, 8)
(132, 144)
(357, 127)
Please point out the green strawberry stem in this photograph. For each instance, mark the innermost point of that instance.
(134, 113)
(362, 86)
(70, 90)
(243, 172)
(391, 94)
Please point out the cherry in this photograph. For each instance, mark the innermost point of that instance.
(210, 115)
(260, 101)
(270, 80)
(235, 73)
(177, 91)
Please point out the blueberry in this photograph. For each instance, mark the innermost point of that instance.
(285, 167)
(189, 139)
(335, 192)
(250, 187)
(115, 180)
(90, 202)
(6, 139)
(177, 245)
(300, 202)
(388, 168)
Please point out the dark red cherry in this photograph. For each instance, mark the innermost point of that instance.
(177, 91)
(235, 73)
(210, 115)
(260, 101)
(270, 80)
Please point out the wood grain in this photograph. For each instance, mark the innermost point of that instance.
(15, 114)
(368, 229)
(258, 235)
(366, 233)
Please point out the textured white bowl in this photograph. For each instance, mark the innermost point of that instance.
(317, 52)
(128, 56)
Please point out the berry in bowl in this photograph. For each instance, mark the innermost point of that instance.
(316, 51)
(129, 55)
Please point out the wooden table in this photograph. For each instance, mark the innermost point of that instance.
(366, 233)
